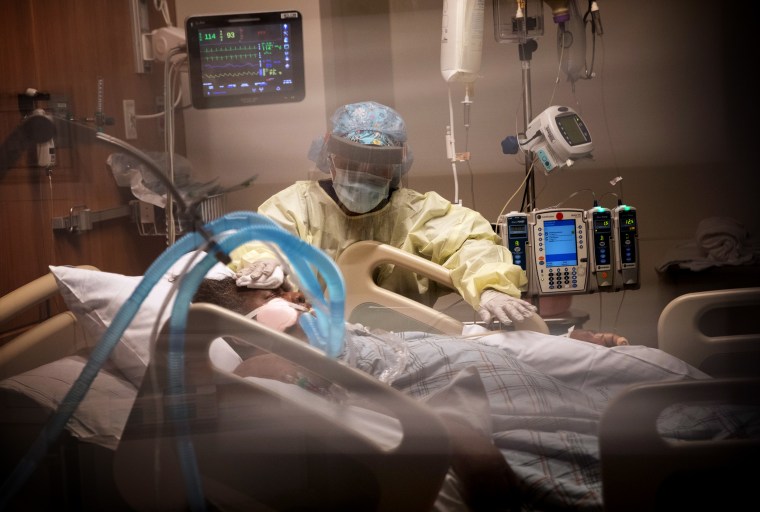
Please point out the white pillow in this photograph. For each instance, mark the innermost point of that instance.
(96, 297)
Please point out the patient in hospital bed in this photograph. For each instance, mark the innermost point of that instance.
(534, 400)
(524, 425)
(479, 477)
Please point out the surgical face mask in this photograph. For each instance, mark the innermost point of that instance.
(360, 192)
(277, 313)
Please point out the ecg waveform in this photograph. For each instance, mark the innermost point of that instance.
(231, 63)
(269, 46)
(233, 70)
(263, 73)
(240, 56)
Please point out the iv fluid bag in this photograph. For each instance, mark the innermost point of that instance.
(571, 44)
(461, 39)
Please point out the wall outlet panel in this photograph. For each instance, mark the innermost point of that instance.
(130, 121)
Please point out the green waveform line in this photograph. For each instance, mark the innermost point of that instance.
(241, 56)
(255, 47)
(268, 72)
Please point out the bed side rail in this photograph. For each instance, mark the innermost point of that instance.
(357, 264)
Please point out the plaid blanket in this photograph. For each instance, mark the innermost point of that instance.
(545, 395)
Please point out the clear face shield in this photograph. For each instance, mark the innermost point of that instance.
(363, 174)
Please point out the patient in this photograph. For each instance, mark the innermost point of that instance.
(484, 479)
(556, 384)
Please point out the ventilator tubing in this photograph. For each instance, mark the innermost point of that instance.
(98, 356)
(325, 332)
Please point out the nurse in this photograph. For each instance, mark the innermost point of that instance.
(365, 153)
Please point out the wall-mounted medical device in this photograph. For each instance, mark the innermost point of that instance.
(558, 136)
(558, 261)
(626, 232)
(245, 59)
(462, 39)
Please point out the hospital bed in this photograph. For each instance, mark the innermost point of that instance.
(404, 474)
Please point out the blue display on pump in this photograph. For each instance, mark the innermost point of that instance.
(516, 237)
(558, 262)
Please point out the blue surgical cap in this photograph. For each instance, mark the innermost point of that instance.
(367, 122)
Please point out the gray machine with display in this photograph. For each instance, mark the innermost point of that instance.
(625, 226)
(558, 261)
(572, 251)
(601, 265)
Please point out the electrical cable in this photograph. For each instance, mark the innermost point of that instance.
(163, 7)
(521, 185)
(573, 195)
(559, 66)
(169, 68)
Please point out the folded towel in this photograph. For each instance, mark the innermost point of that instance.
(718, 241)
(723, 239)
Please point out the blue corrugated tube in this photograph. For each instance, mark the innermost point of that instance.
(325, 330)
(100, 353)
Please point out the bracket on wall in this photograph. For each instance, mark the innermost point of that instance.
(81, 218)
(140, 30)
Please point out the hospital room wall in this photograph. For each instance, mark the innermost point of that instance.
(669, 111)
(62, 47)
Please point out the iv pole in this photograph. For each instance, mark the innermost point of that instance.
(525, 51)
(560, 13)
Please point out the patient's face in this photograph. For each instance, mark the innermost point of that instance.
(279, 316)
(257, 298)
(271, 366)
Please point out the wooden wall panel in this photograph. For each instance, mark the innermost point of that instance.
(63, 47)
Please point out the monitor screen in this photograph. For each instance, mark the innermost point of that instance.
(245, 59)
(573, 129)
(559, 240)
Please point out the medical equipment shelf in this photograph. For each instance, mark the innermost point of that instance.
(81, 218)
(151, 219)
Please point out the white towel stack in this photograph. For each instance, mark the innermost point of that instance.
(723, 239)
(718, 241)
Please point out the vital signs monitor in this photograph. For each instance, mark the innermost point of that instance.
(245, 59)
(558, 137)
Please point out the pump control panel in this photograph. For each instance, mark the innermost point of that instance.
(559, 252)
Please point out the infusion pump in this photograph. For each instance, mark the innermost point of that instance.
(568, 250)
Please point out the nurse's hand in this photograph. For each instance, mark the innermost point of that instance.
(504, 308)
(265, 273)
